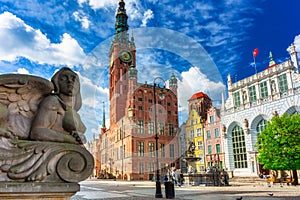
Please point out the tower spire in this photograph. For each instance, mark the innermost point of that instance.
(121, 18)
(103, 128)
(103, 117)
(272, 61)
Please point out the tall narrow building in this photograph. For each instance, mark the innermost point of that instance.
(128, 146)
(199, 104)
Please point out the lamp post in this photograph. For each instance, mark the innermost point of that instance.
(122, 148)
(158, 193)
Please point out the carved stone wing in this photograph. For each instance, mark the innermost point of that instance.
(20, 96)
(23, 160)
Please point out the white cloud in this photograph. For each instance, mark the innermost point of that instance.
(147, 15)
(297, 43)
(22, 71)
(96, 4)
(80, 17)
(81, 2)
(89, 91)
(20, 40)
(134, 9)
(96, 131)
(91, 110)
(194, 81)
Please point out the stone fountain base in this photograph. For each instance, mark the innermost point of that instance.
(45, 191)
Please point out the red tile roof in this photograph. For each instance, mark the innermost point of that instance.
(199, 95)
(271, 66)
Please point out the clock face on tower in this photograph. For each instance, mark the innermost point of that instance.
(125, 56)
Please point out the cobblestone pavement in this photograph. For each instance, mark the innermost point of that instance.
(144, 190)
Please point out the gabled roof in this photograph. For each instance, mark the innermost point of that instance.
(198, 96)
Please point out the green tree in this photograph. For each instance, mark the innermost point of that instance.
(279, 144)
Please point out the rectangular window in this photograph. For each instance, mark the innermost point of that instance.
(150, 100)
(209, 149)
(171, 130)
(141, 168)
(161, 129)
(201, 161)
(239, 148)
(172, 152)
(221, 165)
(162, 150)
(140, 126)
(208, 134)
(151, 128)
(118, 153)
(151, 167)
(218, 148)
(121, 152)
(191, 134)
(140, 99)
(199, 132)
(263, 90)
(211, 119)
(283, 85)
(252, 94)
(216, 132)
(141, 149)
(237, 99)
(200, 145)
(151, 149)
(140, 107)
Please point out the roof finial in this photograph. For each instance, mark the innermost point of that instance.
(103, 118)
(121, 18)
(272, 61)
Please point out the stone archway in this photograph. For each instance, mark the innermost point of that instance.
(293, 110)
(256, 121)
(237, 146)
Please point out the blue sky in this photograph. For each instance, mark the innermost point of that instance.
(201, 41)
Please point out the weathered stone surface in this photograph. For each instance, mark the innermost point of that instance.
(41, 137)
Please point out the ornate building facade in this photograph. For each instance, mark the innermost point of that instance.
(137, 111)
(214, 154)
(198, 104)
(251, 103)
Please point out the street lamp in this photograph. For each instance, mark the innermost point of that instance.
(158, 193)
(122, 148)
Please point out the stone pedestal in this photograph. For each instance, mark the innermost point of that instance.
(44, 191)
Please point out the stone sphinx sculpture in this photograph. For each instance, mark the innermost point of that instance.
(41, 133)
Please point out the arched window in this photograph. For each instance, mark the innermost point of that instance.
(261, 125)
(239, 147)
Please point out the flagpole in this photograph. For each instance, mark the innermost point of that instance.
(255, 65)
(255, 52)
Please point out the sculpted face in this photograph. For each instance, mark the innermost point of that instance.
(68, 83)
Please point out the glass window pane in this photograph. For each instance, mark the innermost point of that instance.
(239, 147)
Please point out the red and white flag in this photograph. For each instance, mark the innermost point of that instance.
(255, 52)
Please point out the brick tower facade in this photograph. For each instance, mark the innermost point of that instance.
(128, 146)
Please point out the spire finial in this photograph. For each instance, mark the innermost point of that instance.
(121, 18)
(103, 118)
(272, 61)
